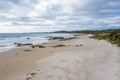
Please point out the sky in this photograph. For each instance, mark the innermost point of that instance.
(55, 15)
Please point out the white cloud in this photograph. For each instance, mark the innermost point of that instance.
(43, 6)
(50, 15)
(21, 29)
(2, 23)
(114, 3)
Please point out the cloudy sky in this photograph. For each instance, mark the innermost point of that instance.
(51, 15)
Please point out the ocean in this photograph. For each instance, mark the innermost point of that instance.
(7, 40)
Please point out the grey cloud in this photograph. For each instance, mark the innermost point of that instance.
(97, 14)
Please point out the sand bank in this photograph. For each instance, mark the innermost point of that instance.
(80, 59)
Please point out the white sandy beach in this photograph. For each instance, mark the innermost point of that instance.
(94, 60)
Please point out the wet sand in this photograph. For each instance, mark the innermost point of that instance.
(81, 59)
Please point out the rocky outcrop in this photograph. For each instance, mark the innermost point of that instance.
(21, 44)
(39, 46)
(60, 45)
(62, 38)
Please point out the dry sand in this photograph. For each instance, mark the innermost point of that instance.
(95, 60)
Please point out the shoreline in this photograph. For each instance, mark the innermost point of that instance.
(17, 63)
(9, 42)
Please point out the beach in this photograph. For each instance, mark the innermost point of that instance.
(80, 58)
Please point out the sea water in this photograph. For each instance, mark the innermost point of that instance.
(7, 40)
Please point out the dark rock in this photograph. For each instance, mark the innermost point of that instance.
(79, 45)
(3, 45)
(27, 44)
(27, 50)
(20, 44)
(62, 38)
(32, 74)
(60, 45)
(28, 78)
(68, 38)
(76, 35)
(39, 46)
(15, 43)
(33, 46)
(28, 38)
(44, 43)
(16, 54)
(56, 38)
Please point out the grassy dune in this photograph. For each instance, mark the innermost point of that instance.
(112, 35)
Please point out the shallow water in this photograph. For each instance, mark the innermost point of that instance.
(7, 40)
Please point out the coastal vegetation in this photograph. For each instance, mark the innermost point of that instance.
(111, 35)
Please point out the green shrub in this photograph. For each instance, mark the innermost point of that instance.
(112, 36)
